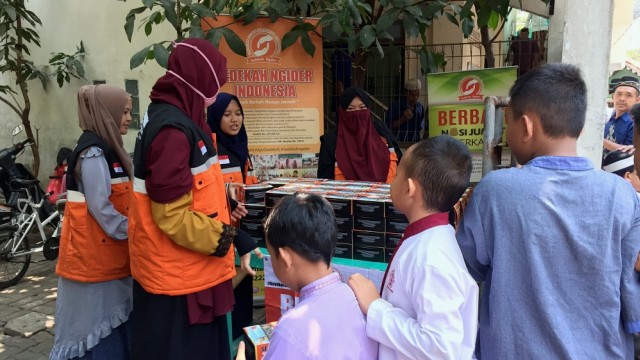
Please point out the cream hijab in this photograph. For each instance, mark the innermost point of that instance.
(100, 110)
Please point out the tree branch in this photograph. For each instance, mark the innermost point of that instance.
(504, 21)
(12, 106)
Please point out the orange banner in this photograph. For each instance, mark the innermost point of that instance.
(280, 90)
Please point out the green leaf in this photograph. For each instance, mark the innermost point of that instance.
(195, 31)
(467, 26)
(11, 12)
(466, 9)
(235, 43)
(413, 10)
(214, 36)
(128, 26)
(290, 38)
(410, 25)
(367, 36)
(355, 13)
(201, 10)
(307, 44)
(138, 58)
(78, 68)
(148, 3)
(387, 19)
(494, 20)
(326, 19)
(452, 19)
(148, 28)
(380, 50)
(484, 13)
(60, 79)
(433, 9)
(170, 14)
(161, 54)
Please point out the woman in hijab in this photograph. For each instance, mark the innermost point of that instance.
(181, 243)
(226, 120)
(361, 148)
(94, 288)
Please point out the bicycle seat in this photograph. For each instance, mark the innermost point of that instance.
(23, 183)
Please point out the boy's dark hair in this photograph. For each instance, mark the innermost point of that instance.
(306, 224)
(557, 94)
(442, 166)
(635, 114)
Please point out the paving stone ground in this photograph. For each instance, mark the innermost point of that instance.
(27, 312)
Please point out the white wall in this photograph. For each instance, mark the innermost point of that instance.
(100, 25)
(569, 29)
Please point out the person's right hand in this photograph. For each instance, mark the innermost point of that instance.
(240, 355)
(239, 212)
(408, 114)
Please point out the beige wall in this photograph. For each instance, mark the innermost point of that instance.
(99, 24)
(621, 32)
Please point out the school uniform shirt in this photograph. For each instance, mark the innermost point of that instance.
(429, 304)
(326, 324)
(557, 260)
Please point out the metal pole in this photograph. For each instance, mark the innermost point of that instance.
(492, 137)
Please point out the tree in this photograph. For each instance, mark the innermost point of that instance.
(360, 24)
(17, 36)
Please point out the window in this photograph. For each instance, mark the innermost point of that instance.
(131, 86)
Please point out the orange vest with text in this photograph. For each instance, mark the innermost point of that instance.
(160, 265)
(86, 253)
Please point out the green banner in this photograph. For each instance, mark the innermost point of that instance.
(456, 101)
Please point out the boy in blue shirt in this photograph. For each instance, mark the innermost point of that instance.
(555, 242)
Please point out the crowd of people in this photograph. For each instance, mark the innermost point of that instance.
(147, 254)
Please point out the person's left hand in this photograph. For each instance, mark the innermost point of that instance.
(233, 189)
(239, 212)
(245, 261)
(627, 148)
(240, 355)
(365, 291)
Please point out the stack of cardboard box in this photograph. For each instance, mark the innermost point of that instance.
(369, 227)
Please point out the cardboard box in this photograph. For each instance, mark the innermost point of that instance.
(256, 212)
(257, 339)
(396, 225)
(368, 207)
(344, 251)
(341, 204)
(258, 237)
(251, 226)
(344, 222)
(254, 194)
(368, 238)
(369, 224)
(345, 237)
(390, 211)
(392, 240)
(366, 253)
(273, 196)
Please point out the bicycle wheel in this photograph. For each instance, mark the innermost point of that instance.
(12, 268)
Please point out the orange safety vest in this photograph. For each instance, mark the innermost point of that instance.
(86, 253)
(231, 169)
(160, 265)
(393, 166)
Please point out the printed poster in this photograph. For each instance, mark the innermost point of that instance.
(280, 90)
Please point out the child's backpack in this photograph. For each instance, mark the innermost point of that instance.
(57, 181)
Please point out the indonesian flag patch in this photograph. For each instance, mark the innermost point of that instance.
(203, 149)
(117, 168)
(224, 159)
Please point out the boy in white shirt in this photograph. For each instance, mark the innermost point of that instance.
(429, 303)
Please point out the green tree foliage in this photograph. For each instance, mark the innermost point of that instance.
(363, 25)
(18, 35)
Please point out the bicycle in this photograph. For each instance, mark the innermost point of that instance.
(15, 249)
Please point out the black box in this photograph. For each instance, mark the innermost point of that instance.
(345, 237)
(368, 238)
(256, 212)
(373, 208)
(344, 222)
(369, 224)
(341, 204)
(392, 240)
(255, 194)
(390, 211)
(376, 254)
(396, 225)
(344, 251)
(251, 226)
(273, 196)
